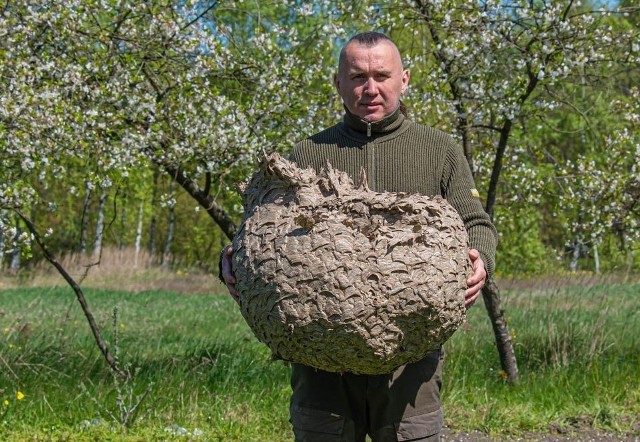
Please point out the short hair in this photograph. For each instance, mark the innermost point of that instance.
(369, 39)
(366, 39)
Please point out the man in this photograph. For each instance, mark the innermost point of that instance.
(398, 156)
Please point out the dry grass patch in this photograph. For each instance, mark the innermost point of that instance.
(117, 269)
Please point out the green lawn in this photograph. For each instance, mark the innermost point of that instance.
(203, 372)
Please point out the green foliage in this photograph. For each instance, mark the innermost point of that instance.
(522, 249)
(100, 94)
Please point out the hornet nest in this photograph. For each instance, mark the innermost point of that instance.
(345, 279)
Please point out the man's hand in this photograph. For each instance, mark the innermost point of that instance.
(477, 280)
(227, 273)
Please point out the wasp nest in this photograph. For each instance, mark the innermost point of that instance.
(345, 279)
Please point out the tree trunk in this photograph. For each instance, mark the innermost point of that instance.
(97, 246)
(166, 255)
(84, 221)
(123, 224)
(138, 233)
(490, 292)
(3, 223)
(492, 192)
(153, 223)
(491, 296)
(203, 197)
(14, 264)
(575, 257)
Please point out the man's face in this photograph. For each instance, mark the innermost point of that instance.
(371, 80)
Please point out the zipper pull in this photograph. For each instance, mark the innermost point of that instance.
(368, 129)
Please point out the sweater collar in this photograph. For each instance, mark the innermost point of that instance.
(388, 124)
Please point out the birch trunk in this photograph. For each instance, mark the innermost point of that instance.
(138, 233)
(97, 247)
(166, 255)
(3, 222)
(84, 222)
(14, 264)
(575, 257)
(153, 223)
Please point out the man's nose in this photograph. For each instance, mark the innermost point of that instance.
(371, 87)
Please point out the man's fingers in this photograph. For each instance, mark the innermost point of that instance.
(479, 273)
(476, 280)
(472, 294)
(227, 272)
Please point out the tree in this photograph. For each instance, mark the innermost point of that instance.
(107, 92)
(491, 67)
(604, 189)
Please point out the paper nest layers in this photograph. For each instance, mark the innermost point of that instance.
(345, 279)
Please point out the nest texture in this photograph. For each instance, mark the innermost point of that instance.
(345, 279)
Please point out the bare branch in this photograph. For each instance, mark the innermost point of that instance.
(77, 290)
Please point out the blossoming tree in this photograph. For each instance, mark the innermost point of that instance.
(96, 94)
(494, 67)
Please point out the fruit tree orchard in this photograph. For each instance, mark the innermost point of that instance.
(96, 95)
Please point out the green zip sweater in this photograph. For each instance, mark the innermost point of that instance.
(399, 155)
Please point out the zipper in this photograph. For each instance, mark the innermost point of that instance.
(368, 129)
(374, 185)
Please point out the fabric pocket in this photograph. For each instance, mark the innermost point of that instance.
(420, 426)
(316, 421)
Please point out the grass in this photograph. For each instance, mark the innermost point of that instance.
(577, 350)
(206, 375)
(205, 369)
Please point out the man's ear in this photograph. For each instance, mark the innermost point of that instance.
(336, 82)
(405, 79)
